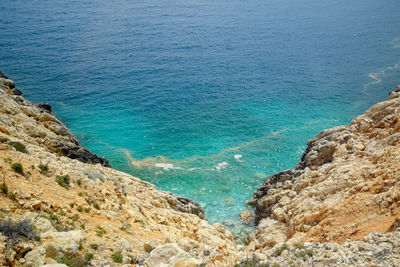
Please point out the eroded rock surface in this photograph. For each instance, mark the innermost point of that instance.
(34, 124)
(87, 212)
(345, 186)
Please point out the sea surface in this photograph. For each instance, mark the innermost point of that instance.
(202, 98)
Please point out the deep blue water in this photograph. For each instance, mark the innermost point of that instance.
(202, 98)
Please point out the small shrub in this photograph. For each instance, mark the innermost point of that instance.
(94, 246)
(89, 257)
(254, 262)
(134, 260)
(125, 227)
(8, 160)
(96, 206)
(83, 226)
(100, 231)
(117, 257)
(4, 188)
(279, 250)
(79, 182)
(79, 208)
(66, 260)
(86, 209)
(44, 169)
(74, 218)
(18, 146)
(63, 180)
(17, 167)
(53, 217)
(11, 196)
(16, 232)
(80, 194)
(32, 167)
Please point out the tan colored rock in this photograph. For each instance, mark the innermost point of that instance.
(43, 225)
(341, 189)
(35, 258)
(62, 242)
(185, 262)
(169, 255)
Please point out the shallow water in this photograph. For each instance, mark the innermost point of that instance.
(202, 98)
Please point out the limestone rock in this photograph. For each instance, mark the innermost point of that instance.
(35, 258)
(184, 204)
(43, 225)
(62, 242)
(169, 255)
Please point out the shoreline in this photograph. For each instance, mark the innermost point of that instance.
(342, 195)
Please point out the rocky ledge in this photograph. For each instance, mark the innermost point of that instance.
(35, 124)
(345, 187)
(60, 203)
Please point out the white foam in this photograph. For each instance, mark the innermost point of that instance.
(221, 165)
(237, 157)
(167, 166)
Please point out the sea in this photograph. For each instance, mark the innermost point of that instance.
(202, 98)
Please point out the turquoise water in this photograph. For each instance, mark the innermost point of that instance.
(202, 98)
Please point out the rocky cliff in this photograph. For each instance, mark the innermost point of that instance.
(81, 212)
(345, 187)
(61, 203)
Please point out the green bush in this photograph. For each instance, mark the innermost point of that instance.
(17, 167)
(96, 206)
(18, 146)
(134, 260)
(53, 217)
(89, 257)
(117, 257)
(100, 231)
(63, 180)
(4, 188)
(94, 246)
(279, 250)
(76, 261)
(44, 169)
(254, 262)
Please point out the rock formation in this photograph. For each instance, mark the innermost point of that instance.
(345, 186)
(82, 210)
(338, 206)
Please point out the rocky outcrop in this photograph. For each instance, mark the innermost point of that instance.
(345, 186)
(34, 124)
(338, 206)
(87, 213)
(184, 204)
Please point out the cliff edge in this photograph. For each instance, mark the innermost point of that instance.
(61, 203)
(345, 187)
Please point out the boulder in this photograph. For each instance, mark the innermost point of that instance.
(169, 255)
(184, 204)
(35, 258)
(43, 225)
(58, 243)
